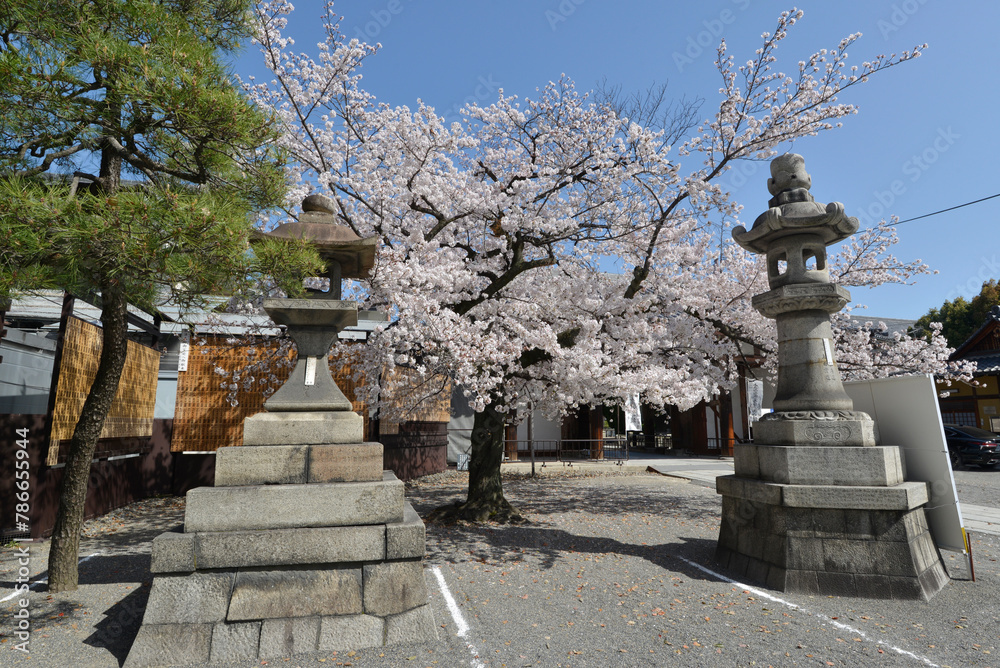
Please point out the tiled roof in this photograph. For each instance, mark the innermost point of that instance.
(987, 364)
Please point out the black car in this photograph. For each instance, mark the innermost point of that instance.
(970, 445)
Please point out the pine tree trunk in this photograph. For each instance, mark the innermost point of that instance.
(486, 500)
(65, 547)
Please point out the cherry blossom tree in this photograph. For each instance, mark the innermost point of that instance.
(553, 252)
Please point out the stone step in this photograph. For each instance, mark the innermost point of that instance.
(904, 496)
(297, 464)
(205, 550)
(876, 466)
(258, 507)
(303, 428)
(200, 644)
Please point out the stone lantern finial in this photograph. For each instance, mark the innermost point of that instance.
(788, 172)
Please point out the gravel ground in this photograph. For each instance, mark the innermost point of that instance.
(610, 570)
(978, 486)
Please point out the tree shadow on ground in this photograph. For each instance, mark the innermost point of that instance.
(515, 544)
(98, 570)
(540, 499)
(117, 631)
(556, 506)
(115, 568)
(132, 534)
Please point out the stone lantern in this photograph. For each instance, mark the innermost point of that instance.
(304, 544)
(810, 404)
(310, 399)
(815, 505)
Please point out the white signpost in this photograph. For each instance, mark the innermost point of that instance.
(906, 414)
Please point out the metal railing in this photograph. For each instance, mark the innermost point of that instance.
(722, 444)
(574, 450)
(654, 442)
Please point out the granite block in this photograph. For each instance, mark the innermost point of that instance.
(235, 642)
(261, 465)
(195, 598)
(805, 554)
(893, 558)
(751, 542)
(877, 466)
(394, 586)
(873, 586)
(839, 433)
(847, 556)
(905, 496)
(801, 581)
(351, 632)
(906, 588)
(406, 539)
(287, 547)
(751, 490)
(413, 626)
(354, 462)
(170, 644)
(757, 570)
(285, 637)
(259, 507)
(836, 583)
(172, 553)
(776, 578)
(295, 593)
(303, 428)
(745, 463)
(932, 580)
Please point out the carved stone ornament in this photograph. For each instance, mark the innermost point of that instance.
(815, 415)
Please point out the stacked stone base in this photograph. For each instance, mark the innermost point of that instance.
(270, 570)
(828, 520)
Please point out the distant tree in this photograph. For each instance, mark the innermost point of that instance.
(960, 318)
(128, 88)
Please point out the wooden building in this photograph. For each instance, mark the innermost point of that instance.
(977, 405)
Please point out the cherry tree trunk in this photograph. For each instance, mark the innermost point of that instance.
(486, 500)
(65, 547)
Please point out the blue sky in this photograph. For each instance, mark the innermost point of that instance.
(925, 138)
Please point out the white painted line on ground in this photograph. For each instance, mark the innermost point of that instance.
(43, 580)
(456, 614)
(821, 617)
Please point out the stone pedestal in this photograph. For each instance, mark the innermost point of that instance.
(828, 520)
(304, 544)
(298, 548)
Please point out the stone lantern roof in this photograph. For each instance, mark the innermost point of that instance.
(334, 241)
(793, 210)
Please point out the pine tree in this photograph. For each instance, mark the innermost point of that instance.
(135, 89)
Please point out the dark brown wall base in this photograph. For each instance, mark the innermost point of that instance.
(113, 482)
(419, 449)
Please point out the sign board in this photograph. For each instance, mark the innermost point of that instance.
(906, 414)
(184, 352)
(755, 399)
(633, 413)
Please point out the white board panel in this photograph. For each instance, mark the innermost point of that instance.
(906, 414)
